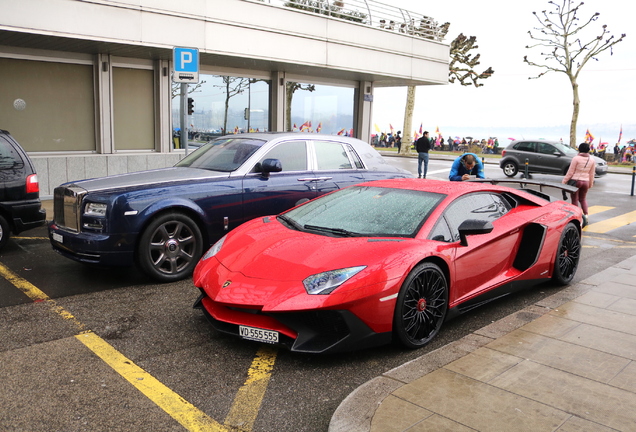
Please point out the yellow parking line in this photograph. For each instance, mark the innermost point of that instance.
(189, 416)
(178, 408)
(29, 238)
(598, 209)
(247, 403)
(612, 223)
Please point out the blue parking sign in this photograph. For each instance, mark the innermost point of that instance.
(186, 65)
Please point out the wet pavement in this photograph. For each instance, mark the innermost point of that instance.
(566, 363)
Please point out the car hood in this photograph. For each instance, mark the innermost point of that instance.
(265, 264)
(146, 178)
(270, 251)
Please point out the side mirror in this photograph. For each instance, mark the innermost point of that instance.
(270, 166)
(473, 227)
(557, 154)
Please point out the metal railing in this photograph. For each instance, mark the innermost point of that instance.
(370, 13)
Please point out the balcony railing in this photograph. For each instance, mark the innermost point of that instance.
(371, 13)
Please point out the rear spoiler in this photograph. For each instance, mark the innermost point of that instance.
(524, 183)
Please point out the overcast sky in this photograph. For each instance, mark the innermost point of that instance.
(510, 103)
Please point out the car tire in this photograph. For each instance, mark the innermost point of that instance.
(510, 168)
(421, 306)
(568, 255)
(170, 247)
(5, 232)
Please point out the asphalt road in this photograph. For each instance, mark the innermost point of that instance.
(56, 377)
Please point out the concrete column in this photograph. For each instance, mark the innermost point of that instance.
(103, 104)
(364, 105)
(277, 102)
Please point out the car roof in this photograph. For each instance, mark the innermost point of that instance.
(269, 136)
(536, 140)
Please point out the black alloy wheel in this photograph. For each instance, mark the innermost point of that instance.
(170, 247)
(568, 255)
(421, 306)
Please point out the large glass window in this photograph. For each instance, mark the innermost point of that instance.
(320, 108)
(48, 106)
(133, 109)
(224, 104)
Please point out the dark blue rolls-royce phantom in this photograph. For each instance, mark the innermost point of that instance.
(162, 220)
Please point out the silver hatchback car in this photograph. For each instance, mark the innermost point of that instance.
(545, 157)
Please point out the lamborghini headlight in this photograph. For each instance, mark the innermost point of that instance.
(325, 283)
(216, 247)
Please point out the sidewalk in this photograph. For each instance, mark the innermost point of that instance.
(489, 160)
(566, 363)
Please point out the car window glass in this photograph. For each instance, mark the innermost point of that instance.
(566, 149)
(331, 156)
(353, 155)
(8, 155)
(441, 232)
(367, 211)
(525, 146)
(291, 154)
(480, 206)
(224, 154)
(546, 148)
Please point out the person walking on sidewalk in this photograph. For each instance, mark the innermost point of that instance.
(582, 169)
(422, 146)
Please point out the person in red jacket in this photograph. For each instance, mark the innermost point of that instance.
(582, 169)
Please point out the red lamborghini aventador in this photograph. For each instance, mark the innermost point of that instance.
(382, 261)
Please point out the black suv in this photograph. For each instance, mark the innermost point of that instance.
(20, 205)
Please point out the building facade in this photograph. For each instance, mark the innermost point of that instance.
(86, 85)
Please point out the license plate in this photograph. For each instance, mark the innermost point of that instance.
(58, 238)
(257, 334)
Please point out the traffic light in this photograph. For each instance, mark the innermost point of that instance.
(190, 106)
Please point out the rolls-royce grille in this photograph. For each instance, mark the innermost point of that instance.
(67, 204)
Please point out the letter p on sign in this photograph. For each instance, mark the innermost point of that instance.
(186, 65)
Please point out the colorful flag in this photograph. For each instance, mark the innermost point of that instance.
(588, 137)
(416, 135)
(350, 132)
(377, 128)
(421, 133)
(341, 131)
(391, 127)
(437, 130)
(620, 134)
(319, 127)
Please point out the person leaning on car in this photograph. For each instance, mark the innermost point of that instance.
(465, 167)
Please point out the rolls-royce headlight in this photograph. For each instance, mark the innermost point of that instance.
(325, 283)
(95, 210)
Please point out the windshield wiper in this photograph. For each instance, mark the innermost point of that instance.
(339, 231)
(292, 223)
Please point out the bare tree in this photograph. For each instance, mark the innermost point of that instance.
(461, 68)
(291, 88)
(233, 86)
(462, 63)
(560, 35)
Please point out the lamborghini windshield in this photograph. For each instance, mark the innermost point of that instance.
(365, 211)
